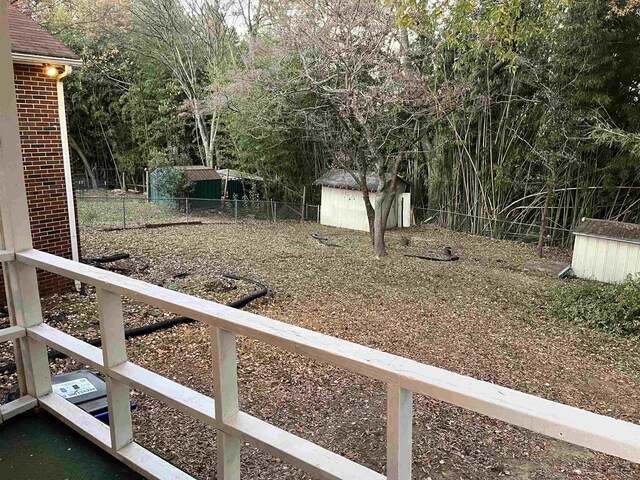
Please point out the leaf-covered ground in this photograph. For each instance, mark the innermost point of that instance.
(483, 316)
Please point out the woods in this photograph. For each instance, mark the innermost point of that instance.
(511, 110)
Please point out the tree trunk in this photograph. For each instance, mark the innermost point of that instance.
(371, 214)
(380, 227)
(384, 201)
(85, 162)
(543, 222)
(204, 138)
(379, 245)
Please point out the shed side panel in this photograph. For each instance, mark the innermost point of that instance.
(578, 260)
(605, 260)
(633, 265)
(345, 209)
(611, 251)
(598, 254)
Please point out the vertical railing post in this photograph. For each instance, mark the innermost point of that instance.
(236, 209)
(24, 301)
(399, 432)
(225, 389)
(124, 212)
(114, 352)
(15, 229)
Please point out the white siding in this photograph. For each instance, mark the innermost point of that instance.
(603, 259)
(345, 208)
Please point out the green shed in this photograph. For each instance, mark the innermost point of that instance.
(205, 182)
(238, 184)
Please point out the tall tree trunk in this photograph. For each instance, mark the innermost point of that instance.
(543, 221)
(85, 162)
(371, 215)
(380, 228)
(204, 138)
(385, 196)
(384, 202)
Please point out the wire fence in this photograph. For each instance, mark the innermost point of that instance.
(133, 212)
(494, 228)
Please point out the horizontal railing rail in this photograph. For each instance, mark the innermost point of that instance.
(402, 376)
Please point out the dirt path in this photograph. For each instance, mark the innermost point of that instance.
(482, 316)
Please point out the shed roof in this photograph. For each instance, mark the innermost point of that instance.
(609, 229)
(197, 173)
(27, 37)
(337, 178)
(238, 175)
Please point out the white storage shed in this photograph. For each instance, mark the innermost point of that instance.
(342, 204)
(606, 250)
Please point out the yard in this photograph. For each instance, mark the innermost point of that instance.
(483, 316)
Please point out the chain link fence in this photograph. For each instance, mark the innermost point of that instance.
(131, 212)
(488, 227)
(312, 213)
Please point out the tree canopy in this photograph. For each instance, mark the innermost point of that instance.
(519, 110)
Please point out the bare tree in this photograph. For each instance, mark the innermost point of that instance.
(350, 56)
(192, 40)
(248, 15)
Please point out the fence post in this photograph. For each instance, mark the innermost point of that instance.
(275, 208)
(399, 432)
(225, 392)
(146, 183)
(236, 209)
(186, 208)
(304, 195)
(114, 352)
(124, 213)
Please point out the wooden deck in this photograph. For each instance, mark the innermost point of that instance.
(37, 446)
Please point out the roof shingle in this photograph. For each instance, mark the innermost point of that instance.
(197, 173)
(609, 229)
(30, 38)
(343, 179)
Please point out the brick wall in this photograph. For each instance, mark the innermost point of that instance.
(43, 170)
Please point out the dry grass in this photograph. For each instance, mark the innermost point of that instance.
(482, 316)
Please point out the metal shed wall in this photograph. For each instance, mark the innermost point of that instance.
(345, 208)
(604, 259)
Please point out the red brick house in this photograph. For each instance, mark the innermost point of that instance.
(40, 63)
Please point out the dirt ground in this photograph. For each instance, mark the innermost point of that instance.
(483, 316)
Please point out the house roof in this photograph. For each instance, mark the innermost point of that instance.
(343, 179)
(609, 229)
(197, 173)
(30, 39)
(238, 175)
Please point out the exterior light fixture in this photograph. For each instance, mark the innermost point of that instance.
(52, 71)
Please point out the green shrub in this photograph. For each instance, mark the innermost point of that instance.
(614, 308)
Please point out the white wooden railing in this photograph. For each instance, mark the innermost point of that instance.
(402, 376)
